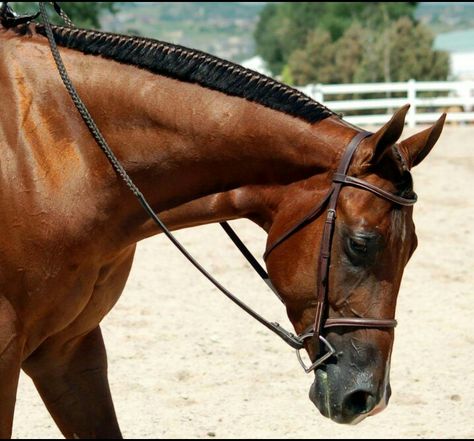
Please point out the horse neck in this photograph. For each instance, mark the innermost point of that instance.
(181, 142)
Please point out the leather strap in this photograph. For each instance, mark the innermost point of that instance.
(250, 258)
(292, 340)
(360, 322)
(299, 225)
(330, 195)
(356, 182)
(322, 281)
(330, 198)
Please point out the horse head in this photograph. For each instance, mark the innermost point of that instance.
(372, 241)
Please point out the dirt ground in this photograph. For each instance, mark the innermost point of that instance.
(186, 363)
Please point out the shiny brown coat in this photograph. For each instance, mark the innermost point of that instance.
(70, 226)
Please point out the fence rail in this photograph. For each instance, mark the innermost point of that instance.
(459, 103)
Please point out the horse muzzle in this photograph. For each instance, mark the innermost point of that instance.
(348, 400)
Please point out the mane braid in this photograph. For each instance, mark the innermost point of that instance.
(192, 66)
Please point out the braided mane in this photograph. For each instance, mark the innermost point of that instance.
(192, 66)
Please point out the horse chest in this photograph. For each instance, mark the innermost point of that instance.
(61, 296)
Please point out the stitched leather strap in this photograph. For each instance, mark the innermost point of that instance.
(360, 322)
(294, 341)
(331, 197)
(322, 281)
(356, 182)
(300, 224)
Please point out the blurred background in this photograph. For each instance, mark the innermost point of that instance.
(299, 40)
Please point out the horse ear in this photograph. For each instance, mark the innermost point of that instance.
(417, 147)
(386, 136)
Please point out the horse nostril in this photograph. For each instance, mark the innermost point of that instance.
(359, 402)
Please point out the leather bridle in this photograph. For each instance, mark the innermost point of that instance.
(340, 178)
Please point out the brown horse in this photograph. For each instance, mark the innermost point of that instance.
(206, 141)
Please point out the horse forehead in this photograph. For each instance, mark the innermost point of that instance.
(363, 210)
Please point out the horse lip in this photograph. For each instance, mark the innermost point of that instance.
(319, 392)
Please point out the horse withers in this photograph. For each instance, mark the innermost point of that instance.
(206, 141)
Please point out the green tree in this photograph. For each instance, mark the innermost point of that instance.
(268, 39)
(83, 14)
(349, 52)
(411, 53)
(284, 27)
(400, 52)
(316, 58)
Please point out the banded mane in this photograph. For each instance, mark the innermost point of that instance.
(192, 66)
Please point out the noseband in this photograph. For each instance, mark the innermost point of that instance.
(339, 179)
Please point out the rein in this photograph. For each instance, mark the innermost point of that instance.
(339, 179)
(292, 340)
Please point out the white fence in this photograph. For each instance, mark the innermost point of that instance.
(458, 104)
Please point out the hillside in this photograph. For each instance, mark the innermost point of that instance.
(221, 28)
(444, 17)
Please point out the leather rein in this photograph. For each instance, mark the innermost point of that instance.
(340, 178)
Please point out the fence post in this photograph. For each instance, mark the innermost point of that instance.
(318, 93)
(465, 93)
(411, 96)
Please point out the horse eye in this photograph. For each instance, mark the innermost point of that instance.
(358, 245)
(362, 249)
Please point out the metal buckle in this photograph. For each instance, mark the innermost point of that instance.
(331, 352)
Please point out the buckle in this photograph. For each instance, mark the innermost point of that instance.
(321, 360)
(331, 216)
(10, 19)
